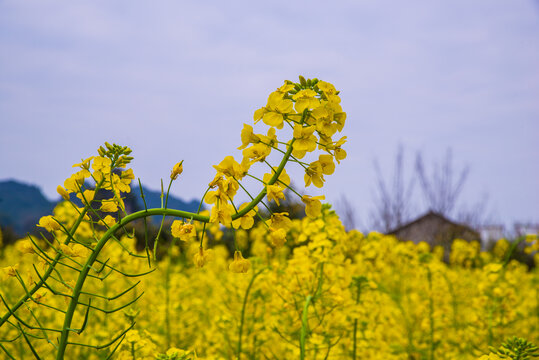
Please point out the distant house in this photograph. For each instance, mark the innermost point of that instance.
(523, 229)
(434, 229)
(491, 233)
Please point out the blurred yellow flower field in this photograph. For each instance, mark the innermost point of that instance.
(371, 295)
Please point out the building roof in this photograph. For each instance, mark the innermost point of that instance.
(433, 228)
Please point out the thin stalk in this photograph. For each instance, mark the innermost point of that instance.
(304, 327)
(431, 315)
(354, 351)
(146, 246)
(272, 181)
(163, 219)
(243, 309)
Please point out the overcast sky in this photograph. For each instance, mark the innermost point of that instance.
(177, 80)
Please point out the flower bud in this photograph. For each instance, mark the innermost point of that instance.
(176, 170)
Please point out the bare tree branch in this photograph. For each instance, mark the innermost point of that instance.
(440, 190)
(346, 212)
(392, 205)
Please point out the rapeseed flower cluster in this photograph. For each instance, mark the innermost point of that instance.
(312, 110)
(285, 289)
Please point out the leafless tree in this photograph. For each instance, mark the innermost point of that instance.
(442, 187)
(346, 213)
(476, 215)
(393, 204)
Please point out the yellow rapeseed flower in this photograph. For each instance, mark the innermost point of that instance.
(328, 166)
(256, 152)
(305, 99)
(239, 264)
(63, 193)
(202, 257)
(183, 231)
(326, 87)
(109, 221)
(109, 206)
(247, 136)
(280, 221)
(313, 206)
(10, 271)
(283, 180)
(84, 164)
(74, 182)
(314, 174)
(222, 214)
(246, 221)
(274, 112)
(231, 168)
(277, 236)
(275, 192)
(102, 164)
(305, 140)
(26, 247)
(176, 170)
(88, 196)
(49, 223)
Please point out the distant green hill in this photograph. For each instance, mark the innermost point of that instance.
(21, 205)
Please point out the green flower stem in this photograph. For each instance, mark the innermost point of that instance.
(288, 122)
(287, 118)
(272, 181)
(295, 159)
(254, 177)
(234, 233)
(167, 295)
(203, 232)
(304, 327)
(355, 326)
(512, 249)
(93, 257)
(252, 198)
(202, 200)
(283, 152)
(431, 315)
(146, 246)
(163, 219)
(137, 215)
(7, 352)
(288, 186)
(240, 331)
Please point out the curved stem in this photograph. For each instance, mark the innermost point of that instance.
(93, 257)
(202, 200)
(143, 214)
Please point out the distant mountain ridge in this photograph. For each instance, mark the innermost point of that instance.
(22, 204)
